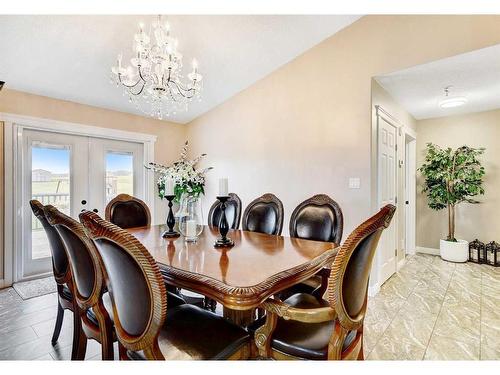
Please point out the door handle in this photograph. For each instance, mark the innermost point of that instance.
(84, 201)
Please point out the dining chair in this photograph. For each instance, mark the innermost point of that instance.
(93, 317)
(143, 324)
(264, 215)
(318, 218)
(307, 327)
(233, 212)
(60, 268)
(127, 211)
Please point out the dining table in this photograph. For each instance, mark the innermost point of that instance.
(240, 277)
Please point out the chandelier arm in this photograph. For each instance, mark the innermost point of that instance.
(141, 90)
(140, 73)
(172, 96)
(184, 91)
(128, 86)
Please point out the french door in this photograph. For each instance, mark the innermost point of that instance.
(72, 173)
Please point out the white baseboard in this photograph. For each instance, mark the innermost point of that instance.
(401, 263)
(411, 251)
(373, 290)
(427, 250)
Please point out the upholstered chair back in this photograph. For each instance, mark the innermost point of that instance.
(317, 218)
(59, 257)
(233, 212)
(264, 215)
(87, 273)
(348, 282)
(138, 293)
(127, 211)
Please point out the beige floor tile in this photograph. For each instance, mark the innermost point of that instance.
(423, 303)
(388, 348)
(460, 324)
(490, 346)
(458, 297)
(411, 330)
(446, 349)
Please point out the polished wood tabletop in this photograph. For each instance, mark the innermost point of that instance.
(240, 277)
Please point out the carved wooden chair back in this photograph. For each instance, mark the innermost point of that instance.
(83, 256)
(318, 218)
(264, 215)
(127, 211)
(137, 290)
(348, 282)
(60, 264)
(233, 212)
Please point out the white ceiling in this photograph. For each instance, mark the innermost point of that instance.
(69, 57)
(475, 75)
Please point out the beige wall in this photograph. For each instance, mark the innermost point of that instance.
(306, 128)
(169, 142)
(473, 221)
(382, 98)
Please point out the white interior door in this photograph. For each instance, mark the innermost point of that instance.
(116, 167)
(387, 188)
(54, 171)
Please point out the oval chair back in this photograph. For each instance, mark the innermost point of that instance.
(348, 282)
(91, 320)
(137, 290)
(264, 215)
(317, 218)
(233, 212)
(127, 211)
(87, 274)
(60, 263)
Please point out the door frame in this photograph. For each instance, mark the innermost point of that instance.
(410, 161)
(13, 132)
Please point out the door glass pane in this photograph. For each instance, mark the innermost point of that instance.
(119, 174)
(50, 185)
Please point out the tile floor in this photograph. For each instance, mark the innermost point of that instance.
(431, 309)
(436, 310)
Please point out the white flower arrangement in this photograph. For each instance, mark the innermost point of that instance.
(187, 179)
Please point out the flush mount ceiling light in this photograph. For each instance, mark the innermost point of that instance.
(451, 101)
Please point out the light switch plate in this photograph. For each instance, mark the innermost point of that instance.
(354, 182)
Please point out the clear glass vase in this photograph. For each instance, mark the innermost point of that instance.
(190, 217)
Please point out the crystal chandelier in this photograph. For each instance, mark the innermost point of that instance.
(153, 81)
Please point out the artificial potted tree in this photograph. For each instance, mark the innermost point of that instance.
(452, 177)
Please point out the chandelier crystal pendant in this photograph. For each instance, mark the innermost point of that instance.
(153, 81)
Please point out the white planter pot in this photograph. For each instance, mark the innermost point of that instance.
(454, 251)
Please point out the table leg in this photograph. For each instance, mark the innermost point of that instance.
(240, 317)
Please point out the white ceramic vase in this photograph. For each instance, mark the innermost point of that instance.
(454, 251)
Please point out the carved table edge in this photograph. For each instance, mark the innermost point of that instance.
(249, 297)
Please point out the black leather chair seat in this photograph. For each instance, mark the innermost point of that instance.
(304, 340)
(193, 333)
(66, 293)
(310, 286)
(173, 300)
